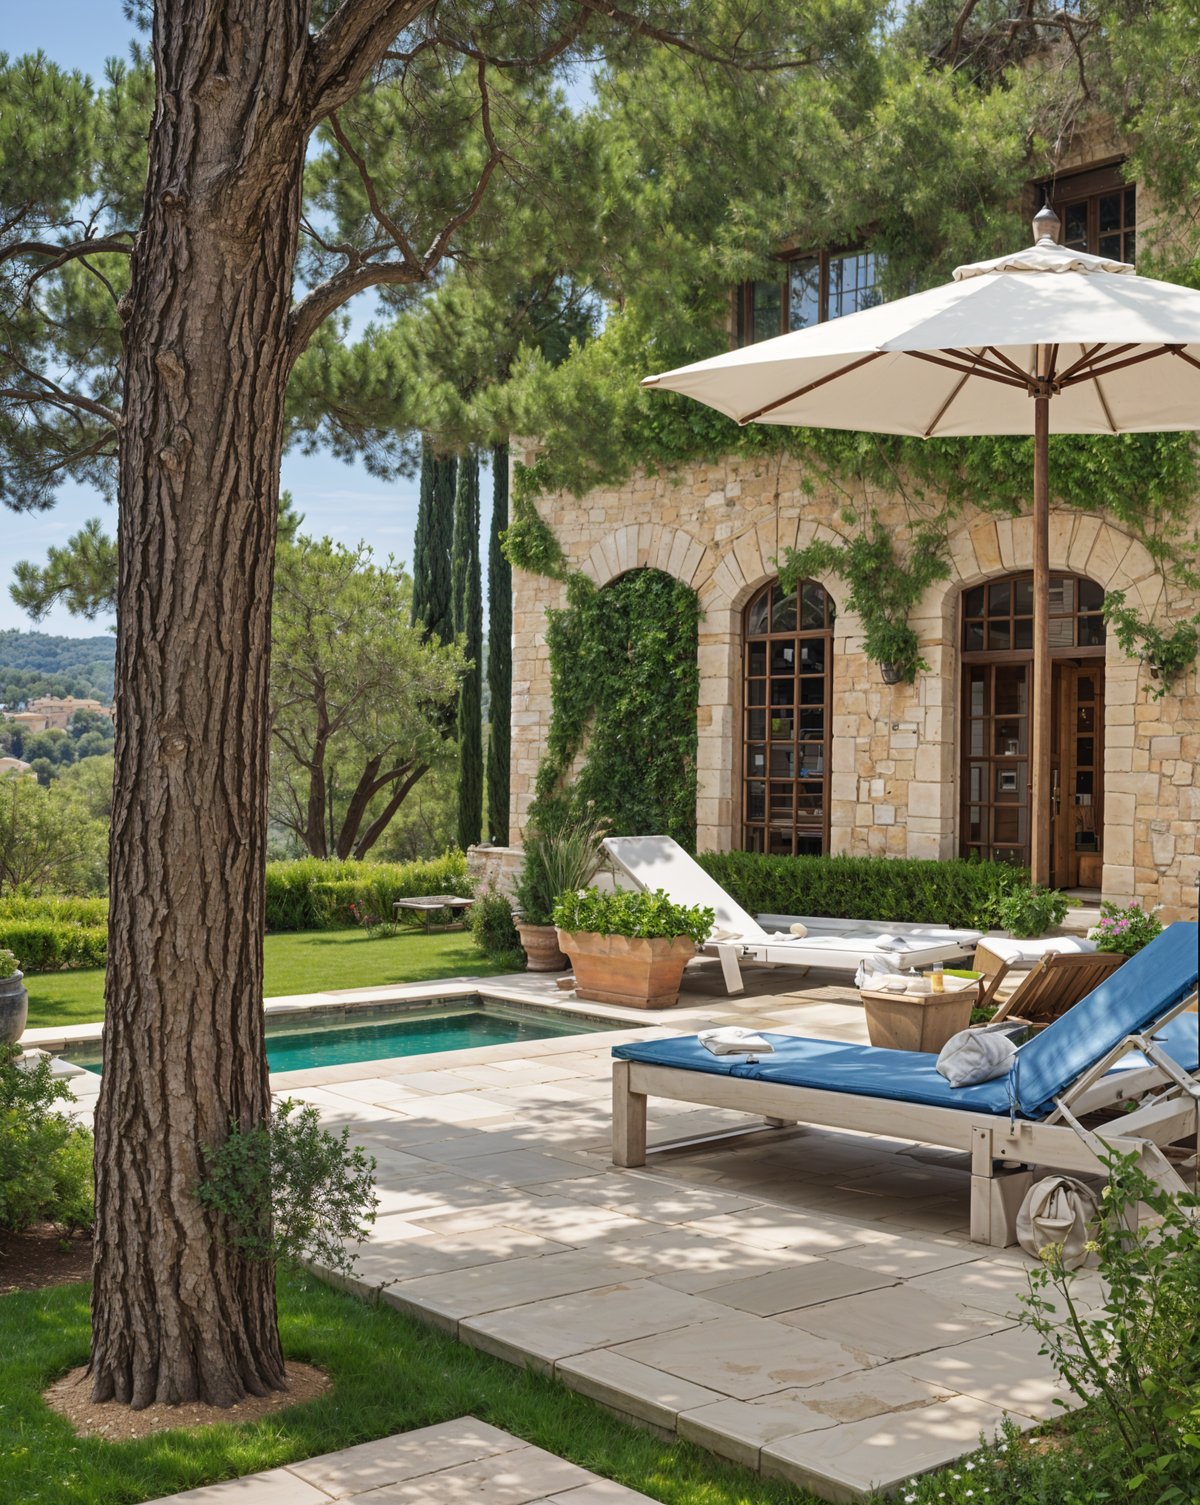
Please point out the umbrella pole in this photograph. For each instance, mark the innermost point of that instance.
(1041, 707)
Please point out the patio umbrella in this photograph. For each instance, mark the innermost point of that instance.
(1047, 340)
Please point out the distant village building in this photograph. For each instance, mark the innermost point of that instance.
(15, 768)
(54, 712)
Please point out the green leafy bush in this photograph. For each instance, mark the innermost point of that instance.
(51, 945)
(491, 924)
(9, 965)
(1124, 931)
(959, 893)
(45, 1158)
(1033, 911)
(62, 908)
(1136, 1363)
(290, 1190)
(314, 894)
(633, 914)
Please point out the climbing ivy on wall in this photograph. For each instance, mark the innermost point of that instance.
(624, 684)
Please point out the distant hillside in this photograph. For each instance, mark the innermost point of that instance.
(37, 663)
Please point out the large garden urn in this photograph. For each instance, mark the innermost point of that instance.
(14, 1008)
(542, 951)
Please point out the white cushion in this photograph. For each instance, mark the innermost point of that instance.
(1028, 953)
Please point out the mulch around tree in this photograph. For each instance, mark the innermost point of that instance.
(42, 1257)
(113, 1422)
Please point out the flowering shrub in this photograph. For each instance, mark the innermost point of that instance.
(625, 913)
(8, 964)
(1124, 930)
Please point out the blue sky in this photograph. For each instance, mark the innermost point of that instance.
(341, 500)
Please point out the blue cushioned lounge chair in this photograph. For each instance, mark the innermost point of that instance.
(1129, 1039)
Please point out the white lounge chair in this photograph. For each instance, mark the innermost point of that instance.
(1130, 1036)
(653, 862)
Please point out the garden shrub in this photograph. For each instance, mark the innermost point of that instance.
(290, 1190)
(1032, 911)
(61, 908)
(1125, 931)
(45, 1158)
(495, 933)
(315, 894)
(51, 945)
(960, 893)
(647, 916)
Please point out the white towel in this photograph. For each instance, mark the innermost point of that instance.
(733, 1040)
(892, 943)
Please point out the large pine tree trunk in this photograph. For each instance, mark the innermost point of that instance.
(177, 1315)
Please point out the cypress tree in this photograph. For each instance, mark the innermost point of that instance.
(467, 596)
(431, 605)
(499, 665)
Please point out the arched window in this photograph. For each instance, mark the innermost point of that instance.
(786, 716)
(997, 742)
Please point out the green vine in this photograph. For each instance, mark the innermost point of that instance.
(529, 542)
(1166, 656)
(624, 686)
(883, 589)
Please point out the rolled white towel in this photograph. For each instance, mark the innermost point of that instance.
(733, 1040)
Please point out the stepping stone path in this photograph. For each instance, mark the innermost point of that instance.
(444, 1465)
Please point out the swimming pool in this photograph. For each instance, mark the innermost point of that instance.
(344, 1037)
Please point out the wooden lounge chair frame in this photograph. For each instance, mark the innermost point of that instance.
(1052, 985)
(1004, 1150)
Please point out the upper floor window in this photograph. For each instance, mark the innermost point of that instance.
(813, 290)
(1098, 212)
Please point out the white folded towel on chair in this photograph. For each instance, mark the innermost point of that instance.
(893, 943)
(874, 969)
(733, 1040)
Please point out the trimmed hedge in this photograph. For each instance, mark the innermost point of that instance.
(55, 907)
(51, 945)
(960, 893)
(311, 894)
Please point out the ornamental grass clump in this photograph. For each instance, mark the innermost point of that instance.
(1124, 930)
(637, 915)
(562, 853)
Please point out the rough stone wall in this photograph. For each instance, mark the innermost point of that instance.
(894, 766)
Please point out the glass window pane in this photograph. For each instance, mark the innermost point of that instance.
(812, 691)
(783, 725)
(1010, 737)
(973, 602)
(1108, 209)
(1010, 691)
(1111, 246)
(756, 760)
(999, 635)
(1091, 632)
(1091, 596)
(779, 840)
(812, 608)
(756, 692)
(1023, 633)
(812, 655)
(783, 762)
(804, 293)
(1075, 226)
(756, 658)
(756, 801)
(1023, 596)
(758, 615)
(783, 658)
(756, 724)
(972, 637)
(999, 598)
(853, 283)
(766, 310)
(812, 759)
(782, 692)
(812, 724)
(783, 612)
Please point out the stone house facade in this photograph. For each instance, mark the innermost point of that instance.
(842, 762)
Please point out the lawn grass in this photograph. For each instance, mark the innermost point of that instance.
(390, 1374)
(308, 962)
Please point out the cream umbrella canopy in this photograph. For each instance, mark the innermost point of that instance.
(1047, 340)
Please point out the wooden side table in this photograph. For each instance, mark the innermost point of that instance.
(919, 1021)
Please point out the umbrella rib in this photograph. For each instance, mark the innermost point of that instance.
(980, 365)
(1133, 360)
(941, 412)
(1090, 353)
(1022, 376)
(983, 371)
(811, 387)
(1108, 417)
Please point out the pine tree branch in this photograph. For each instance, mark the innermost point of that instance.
(58, 255)
(351, 43)
(52, 395)
(637, 26)
(362, 271)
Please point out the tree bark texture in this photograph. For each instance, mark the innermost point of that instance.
(177, 1315)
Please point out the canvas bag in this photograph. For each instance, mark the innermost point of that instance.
(1057, 1210)
(978, 1054)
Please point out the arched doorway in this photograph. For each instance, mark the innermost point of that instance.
(997, 657)
(787, 719)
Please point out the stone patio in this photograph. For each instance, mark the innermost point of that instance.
(804, 1302)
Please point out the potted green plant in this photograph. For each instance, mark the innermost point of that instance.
(1124, 931)
(14, 1000)
(629, 948)
(561, 852)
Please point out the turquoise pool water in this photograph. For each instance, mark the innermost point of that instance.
(356, 1035)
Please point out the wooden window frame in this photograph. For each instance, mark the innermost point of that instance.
(744, 292)
(747, 777)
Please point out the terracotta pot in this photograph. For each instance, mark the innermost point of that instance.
(542, 951)
(639, 973)
(14, 1008)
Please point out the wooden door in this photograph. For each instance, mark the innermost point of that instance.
(1077, 775)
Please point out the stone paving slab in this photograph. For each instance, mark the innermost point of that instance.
(448, 1464)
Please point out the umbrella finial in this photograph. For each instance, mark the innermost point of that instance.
(1046, 224)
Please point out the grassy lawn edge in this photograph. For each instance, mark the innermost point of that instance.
(391, 1374)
